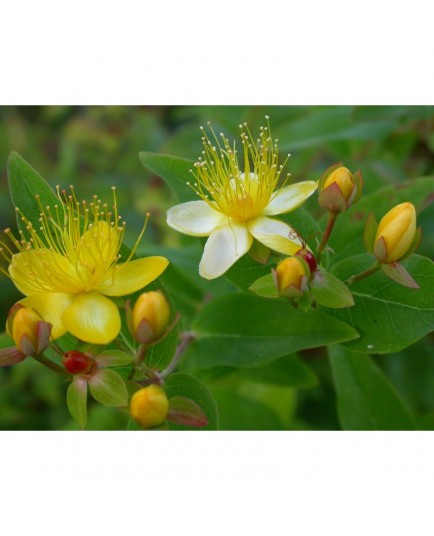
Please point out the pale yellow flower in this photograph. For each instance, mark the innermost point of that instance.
(235, 205)
(69, 267)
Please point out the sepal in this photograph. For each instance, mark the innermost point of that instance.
(370, 232)
(108, 388)
(11, 356)
(399, 274)
(76, 400)
(329, 291)
(186, 412)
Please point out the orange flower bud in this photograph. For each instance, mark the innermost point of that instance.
(149, 317)
(28, 330)
(339, 189)
(149, 406)
(396, 233)
(291, 276)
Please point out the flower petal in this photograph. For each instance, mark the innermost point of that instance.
(131, 276)
(42, 270)
(92, 318)
(275, 235)
(51, 306)
(290, 197)
(195, 218)
(223, 248)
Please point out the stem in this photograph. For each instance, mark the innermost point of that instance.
(48, 363)
(140, 356)
(328, 231)
(371, 270)
(187, 338)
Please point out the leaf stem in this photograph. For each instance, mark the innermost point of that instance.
(49, 364)
(140, 357)
(187, 338)
(366, 273)
(328, 231)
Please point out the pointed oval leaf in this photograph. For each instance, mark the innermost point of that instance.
(388, 316)
(330, 291)
(113, 358)
(108, 388)
(76, 400)
(243, 331)
(366, 399)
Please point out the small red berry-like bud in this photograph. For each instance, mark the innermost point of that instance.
(309, 257)
(76, 362)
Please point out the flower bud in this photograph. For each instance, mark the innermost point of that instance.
(339, 189)
(396, 234)
(149, 406)
(291, 277)
(28, 330)
(309, 257)
(149, 317)
(76, 362)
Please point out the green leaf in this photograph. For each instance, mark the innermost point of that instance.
(113, 358)
(388, 317)
(24, 184)
(174, 171)
(366, 399)
(160, 354)
(76, 400)
(244, 331)
(287, 371)
(190, 387)
(265, 287)
(108, 388)
(330, 291)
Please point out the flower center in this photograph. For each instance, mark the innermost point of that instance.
(220, 182)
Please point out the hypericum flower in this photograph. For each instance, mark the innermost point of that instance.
(339, 189)
(396, 233)
(30, 333)
(291, 276)
(149, 406)
(69, 267)
(235, 205)
(149, 317)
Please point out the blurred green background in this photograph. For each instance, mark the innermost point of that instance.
(97, 147)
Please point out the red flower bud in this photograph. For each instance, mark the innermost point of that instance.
(76, 362)
(309, 257)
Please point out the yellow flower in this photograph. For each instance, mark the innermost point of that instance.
(235, 205)
(149, 317)
(69, 267)
(343, 178)
(149, 406)
(29, 332)
(291, 276)
(396, 233)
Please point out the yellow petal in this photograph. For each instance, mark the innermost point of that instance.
(93, 318)
(275, 234)
(51, 306)
(42, 270)
(132, 276)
